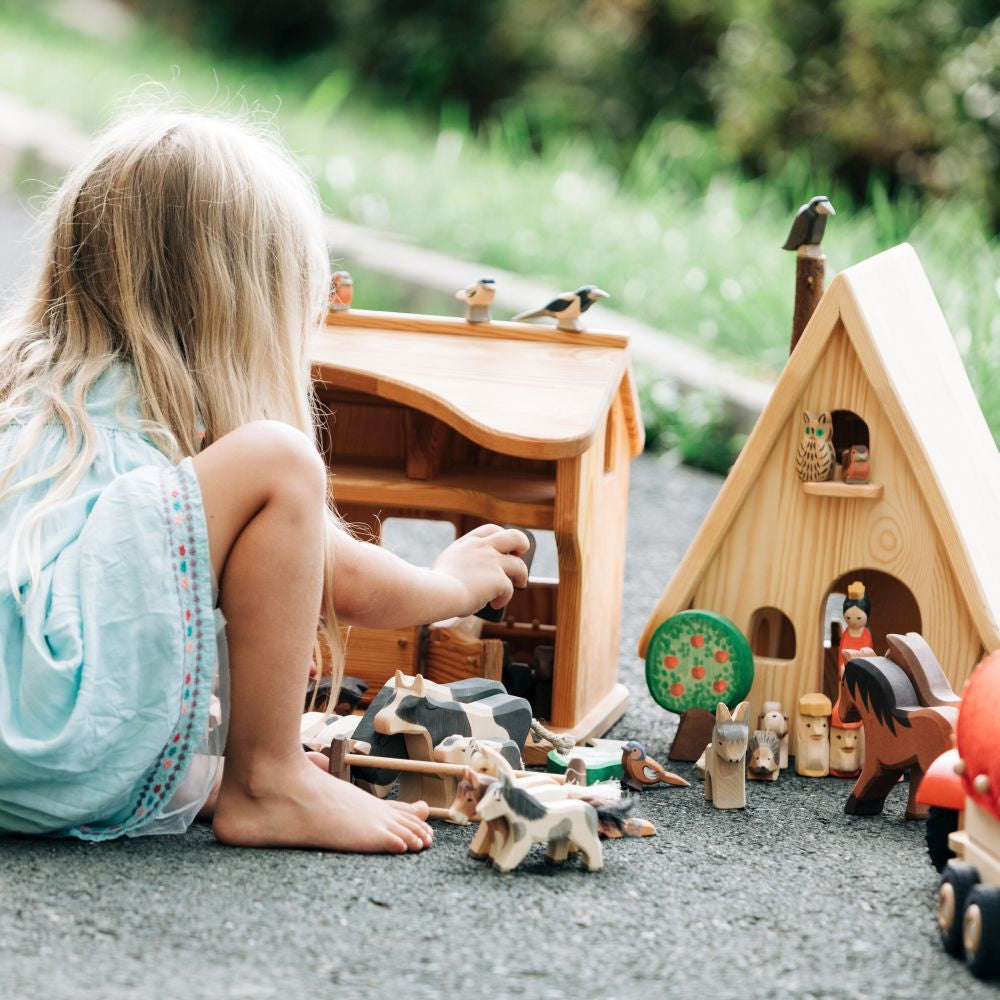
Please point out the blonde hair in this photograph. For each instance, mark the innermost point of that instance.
(190, 248)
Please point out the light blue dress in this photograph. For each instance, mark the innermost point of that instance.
(107, 668)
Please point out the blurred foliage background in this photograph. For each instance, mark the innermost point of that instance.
(904, 90)
(656, 147)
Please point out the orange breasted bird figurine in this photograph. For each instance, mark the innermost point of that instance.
(640, 769)
(341, 291)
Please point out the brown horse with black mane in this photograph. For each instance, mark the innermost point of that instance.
(900, 733)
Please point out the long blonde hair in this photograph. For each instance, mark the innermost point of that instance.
(191, 248)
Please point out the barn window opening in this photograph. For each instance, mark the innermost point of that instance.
(772, 634)
(849, 431)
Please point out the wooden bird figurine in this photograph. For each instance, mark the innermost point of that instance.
(341, 291)
(478, 298)
(816, 456)
(641, 770)
(567, 307)
(809, 224)
(857, 464)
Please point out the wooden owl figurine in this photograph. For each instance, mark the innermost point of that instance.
(815, 457)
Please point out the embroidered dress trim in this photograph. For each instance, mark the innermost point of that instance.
(189, 564)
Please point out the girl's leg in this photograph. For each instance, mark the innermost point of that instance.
(263, 488)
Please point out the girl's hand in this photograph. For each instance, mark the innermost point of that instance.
(484, 567)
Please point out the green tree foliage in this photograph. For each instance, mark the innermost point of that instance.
(908, 90)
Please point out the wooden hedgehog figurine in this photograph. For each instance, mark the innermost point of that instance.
(764, 756)
(816, 456)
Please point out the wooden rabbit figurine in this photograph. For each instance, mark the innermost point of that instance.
(726, 758)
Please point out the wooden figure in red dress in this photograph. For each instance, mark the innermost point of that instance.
(856, 640)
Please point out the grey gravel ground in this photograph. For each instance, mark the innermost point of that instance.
(789, 898)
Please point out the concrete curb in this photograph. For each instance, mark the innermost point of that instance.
(57, 143)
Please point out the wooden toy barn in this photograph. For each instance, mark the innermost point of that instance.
(923, 535)
(441, 419)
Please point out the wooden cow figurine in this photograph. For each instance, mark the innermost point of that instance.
(765, 754)
(773, 720)
(410, 716)
(725, 758)
(530, 821)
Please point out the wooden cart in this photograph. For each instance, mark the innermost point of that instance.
(440, 419)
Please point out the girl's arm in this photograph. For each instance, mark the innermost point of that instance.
(374, 588)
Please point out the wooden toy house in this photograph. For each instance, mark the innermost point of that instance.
(437, 418)
(923, 534)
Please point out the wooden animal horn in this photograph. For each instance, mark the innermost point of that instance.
(417, 687)
(400, 680)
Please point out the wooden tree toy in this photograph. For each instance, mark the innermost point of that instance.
(900, 733)
(764, 755)
(773, 720)
(879, 357)
(694, 660)
(725, 758)
(812, 753)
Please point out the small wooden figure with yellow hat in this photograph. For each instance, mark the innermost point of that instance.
(812, 736)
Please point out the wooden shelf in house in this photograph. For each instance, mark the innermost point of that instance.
(499, 495)
(853, 491)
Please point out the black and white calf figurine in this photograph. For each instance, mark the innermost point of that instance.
(529, 821)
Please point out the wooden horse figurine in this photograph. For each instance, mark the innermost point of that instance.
(530, 821)
(725, 758)
(900, 733)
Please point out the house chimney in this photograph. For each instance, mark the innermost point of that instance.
(810, 261)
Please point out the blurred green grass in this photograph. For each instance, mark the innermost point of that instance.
(682, 240)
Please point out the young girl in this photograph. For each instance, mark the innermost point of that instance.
(157, 447)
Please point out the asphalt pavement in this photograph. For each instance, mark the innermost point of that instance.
(788, 898)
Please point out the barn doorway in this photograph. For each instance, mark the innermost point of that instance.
(893, 609)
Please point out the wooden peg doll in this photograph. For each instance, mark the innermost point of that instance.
(847, 747)
(812, 736)
(856, 639)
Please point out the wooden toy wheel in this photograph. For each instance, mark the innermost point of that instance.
(696, 659)
(981, 931)
(957, 883)
(940, 823)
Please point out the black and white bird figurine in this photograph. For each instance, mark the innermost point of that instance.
(809, 224)
(478, 298)
(567, 308)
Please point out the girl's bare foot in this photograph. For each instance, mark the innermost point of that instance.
(297, 805)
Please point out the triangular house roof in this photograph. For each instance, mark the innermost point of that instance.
(888, 310)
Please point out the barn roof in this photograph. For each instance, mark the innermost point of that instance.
(897, 329)
(523, 389)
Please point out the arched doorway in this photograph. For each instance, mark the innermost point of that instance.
(894, 609)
